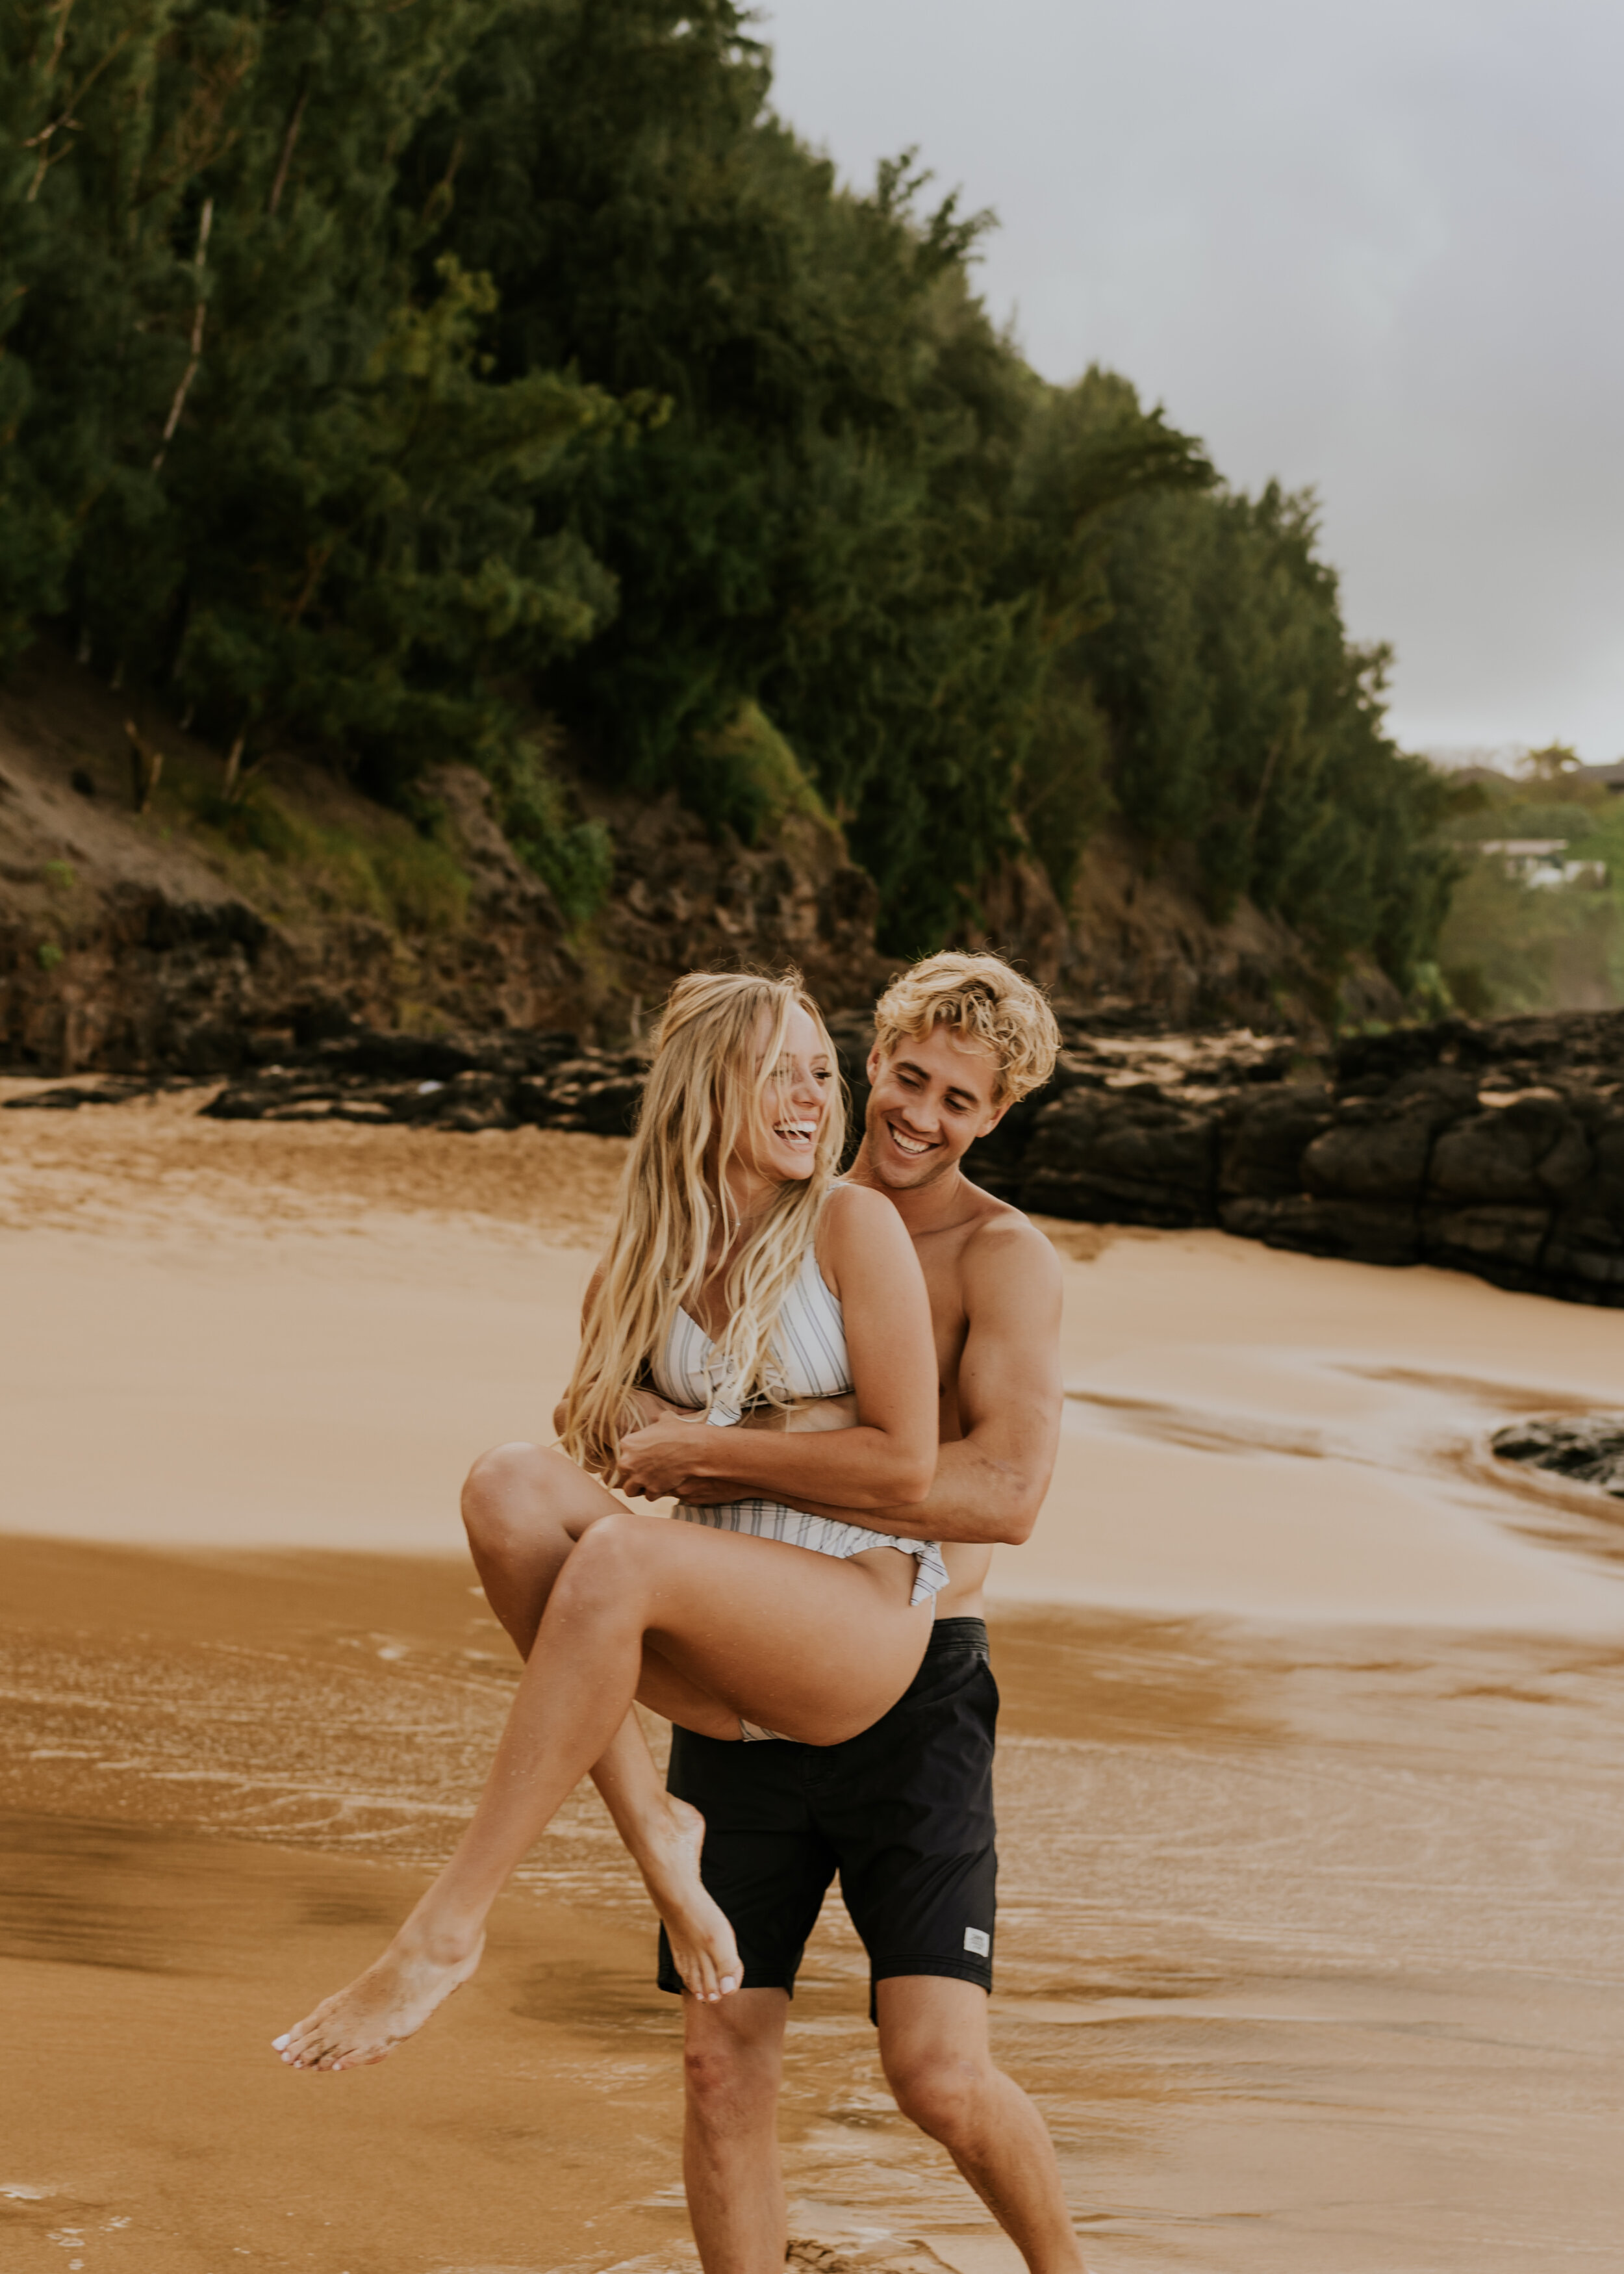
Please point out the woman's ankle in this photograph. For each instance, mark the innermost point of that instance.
(440, 1938)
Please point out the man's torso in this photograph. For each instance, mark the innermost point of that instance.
(942, 1258)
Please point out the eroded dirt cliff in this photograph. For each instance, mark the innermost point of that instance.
(200, 939)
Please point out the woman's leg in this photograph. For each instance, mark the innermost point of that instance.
(805, 1644)
(526, 1508)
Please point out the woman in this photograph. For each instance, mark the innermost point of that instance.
(738, 1279)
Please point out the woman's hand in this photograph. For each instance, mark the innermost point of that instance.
(659, 1459)
(647, 1404)
(651, 1407)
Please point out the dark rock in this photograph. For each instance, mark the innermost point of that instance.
(1439, 1092)
(603, 1105)
(374, 1110)
(1371, 1153)
(211, 1046)
(1504, 1244)
(1531, 1150)
(358, 1077)
(394, 1056)
(1265, 1139)
(1124, 1156)
(1381, 1059)
(534, 1101)
(472, 1101)
(301, 1109)
(1588, 1448)
(67, 1096)
(1361, 1231)
(1583, 1257)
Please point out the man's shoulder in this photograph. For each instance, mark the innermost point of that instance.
(1002, 1245)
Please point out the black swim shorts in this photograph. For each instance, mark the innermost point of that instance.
(903, 1812)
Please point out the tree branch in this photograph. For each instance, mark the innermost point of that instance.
(288, 140)
(205, 225)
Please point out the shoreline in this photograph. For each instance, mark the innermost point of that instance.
(255, 1334)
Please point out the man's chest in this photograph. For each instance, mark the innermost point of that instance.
(949, 1327)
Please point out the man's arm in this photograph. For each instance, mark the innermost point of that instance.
(990, 1483)
(889, 1454)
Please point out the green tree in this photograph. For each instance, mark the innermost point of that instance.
(280, 476)
(1220, 708)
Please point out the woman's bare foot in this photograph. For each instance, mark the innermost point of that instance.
(702, 1942)
(389, 2002)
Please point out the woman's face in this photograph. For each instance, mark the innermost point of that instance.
(794, 1105)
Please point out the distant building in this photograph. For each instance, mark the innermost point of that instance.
(1500, 767)
(1608, 778)
(1490, 777)
(1540, 860)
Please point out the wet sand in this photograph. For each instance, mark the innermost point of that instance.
(1311, 1942)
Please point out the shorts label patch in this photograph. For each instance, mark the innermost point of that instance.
(977, 1941)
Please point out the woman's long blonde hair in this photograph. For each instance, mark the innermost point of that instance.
(704, 1094)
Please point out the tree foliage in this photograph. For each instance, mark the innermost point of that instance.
(384, 378)
(257, 455)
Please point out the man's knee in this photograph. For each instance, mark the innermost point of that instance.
(731, 2076)
(944, 2090)
(727, 2085)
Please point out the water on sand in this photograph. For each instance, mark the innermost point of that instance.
(1312, 1942)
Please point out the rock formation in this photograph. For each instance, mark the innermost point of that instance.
(1588, 1449)
(1494, 1147)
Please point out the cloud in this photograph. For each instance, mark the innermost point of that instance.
(1375, 251)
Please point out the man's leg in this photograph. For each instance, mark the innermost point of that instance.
(939, 2063)
(733, 2059)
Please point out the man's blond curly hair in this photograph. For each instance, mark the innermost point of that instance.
(987, 1002)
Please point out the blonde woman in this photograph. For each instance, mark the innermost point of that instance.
(740, 1282)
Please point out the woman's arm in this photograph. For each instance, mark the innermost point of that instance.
(890, 1457)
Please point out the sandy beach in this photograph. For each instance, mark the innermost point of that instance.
(1311, 1938)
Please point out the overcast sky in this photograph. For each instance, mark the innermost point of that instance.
(1374, 249)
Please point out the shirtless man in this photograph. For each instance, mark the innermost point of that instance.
(904, 1811)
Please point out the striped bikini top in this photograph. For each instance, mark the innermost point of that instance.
(807, 1351)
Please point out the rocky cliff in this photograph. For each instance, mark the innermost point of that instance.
(189, 938)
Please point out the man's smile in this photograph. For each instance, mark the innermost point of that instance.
(912, 1147)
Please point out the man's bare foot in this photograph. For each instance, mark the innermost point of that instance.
(390, 2002)
(702, 1942)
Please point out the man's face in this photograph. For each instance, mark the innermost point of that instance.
(931, 1099)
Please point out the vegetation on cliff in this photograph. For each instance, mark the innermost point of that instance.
(380, 381)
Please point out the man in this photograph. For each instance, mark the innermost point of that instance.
(904, 1811)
